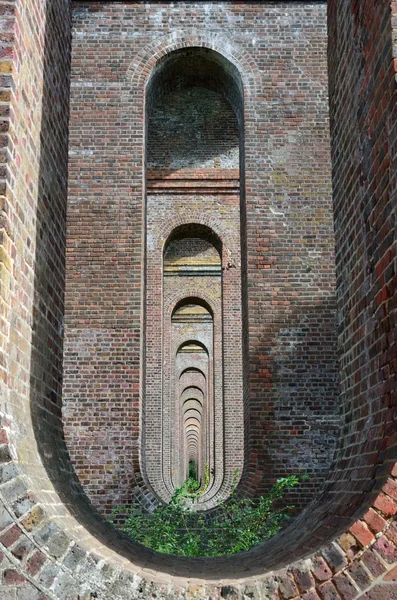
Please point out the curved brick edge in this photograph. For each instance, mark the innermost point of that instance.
(136, 78)
(143, 64)
(159, 238)
(63, 569)
(39, 560)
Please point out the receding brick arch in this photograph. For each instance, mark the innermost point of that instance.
(356, 565)
(192, 388)
(197, 225)
(257, 82)
(188, 343)
(176, 240)
(191, 370)
(173, 69)
(194, 414)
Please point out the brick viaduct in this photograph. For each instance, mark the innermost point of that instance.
(175, 179)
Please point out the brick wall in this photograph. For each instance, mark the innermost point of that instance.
(363, 147)
(48, 553)
(285, 225)
(212, 140)
(6, 243)
(34, 226)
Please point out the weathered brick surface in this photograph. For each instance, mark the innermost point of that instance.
(363, 114)
(219, 219)
(287, 280)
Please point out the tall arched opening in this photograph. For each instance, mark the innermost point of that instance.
(83, 555)
(193, 273)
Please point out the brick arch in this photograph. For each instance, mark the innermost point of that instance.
(215, 306)
(195, 218)
(191, 386)
(71, 546)
(158, 244)
(193, 300)
(137, 78)
(140, 69)
(195, 403)
(177, 298)
(192, 341)
(193, 370)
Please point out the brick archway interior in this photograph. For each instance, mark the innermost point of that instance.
(194, 139)
(54, 544)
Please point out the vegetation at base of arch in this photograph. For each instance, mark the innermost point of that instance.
(236, 525)
(191, 486)
(206, 479)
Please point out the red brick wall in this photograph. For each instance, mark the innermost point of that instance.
(48, 553)
(286, 230)
(363, 126)
(33, 217)
(193, 119)
(181, 125)
(6, 243)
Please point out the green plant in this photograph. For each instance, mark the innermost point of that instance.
(236, 525)
(206, 479)
(192, 470)
(191, 485)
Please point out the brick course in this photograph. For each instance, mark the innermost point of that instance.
(287, 281)
(93, 562)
